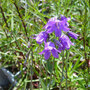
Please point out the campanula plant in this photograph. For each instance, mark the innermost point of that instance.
(60, 27)
(42, 36)
(50, 48)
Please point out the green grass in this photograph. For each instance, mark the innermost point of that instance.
(20, 19)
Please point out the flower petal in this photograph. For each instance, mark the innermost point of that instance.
(66, 29)
(42, 36)
(50, 30)
(49, 46)
(47, 54)
(58, 32)
(73, 35)
(54, 53)
(65, 41)
(57, 50)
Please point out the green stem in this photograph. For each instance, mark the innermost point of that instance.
(62, 70)
(23, 23)
(46, 73)
(67, 55)
(31, 85)
(5, 20)
(40, 69)
(51, 73)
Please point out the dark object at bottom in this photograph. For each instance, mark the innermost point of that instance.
(6, 79)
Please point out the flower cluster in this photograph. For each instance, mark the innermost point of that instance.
(58, 26)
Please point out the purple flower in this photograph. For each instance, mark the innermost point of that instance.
(56, 25)
(64, 18)
(73, 35)
(53, 25)
(65, 43)
(64, 23)
(48, 49)
(42, 36)
(58, 43)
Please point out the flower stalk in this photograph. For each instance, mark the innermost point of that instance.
(23, 23)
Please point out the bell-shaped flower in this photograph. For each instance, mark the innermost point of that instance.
(56, 25)
(58, 43)
(64, 23)
(65, 41)
(48, 49)
(64, 18)
(53, 26)
(42, 36)
(73, 35)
